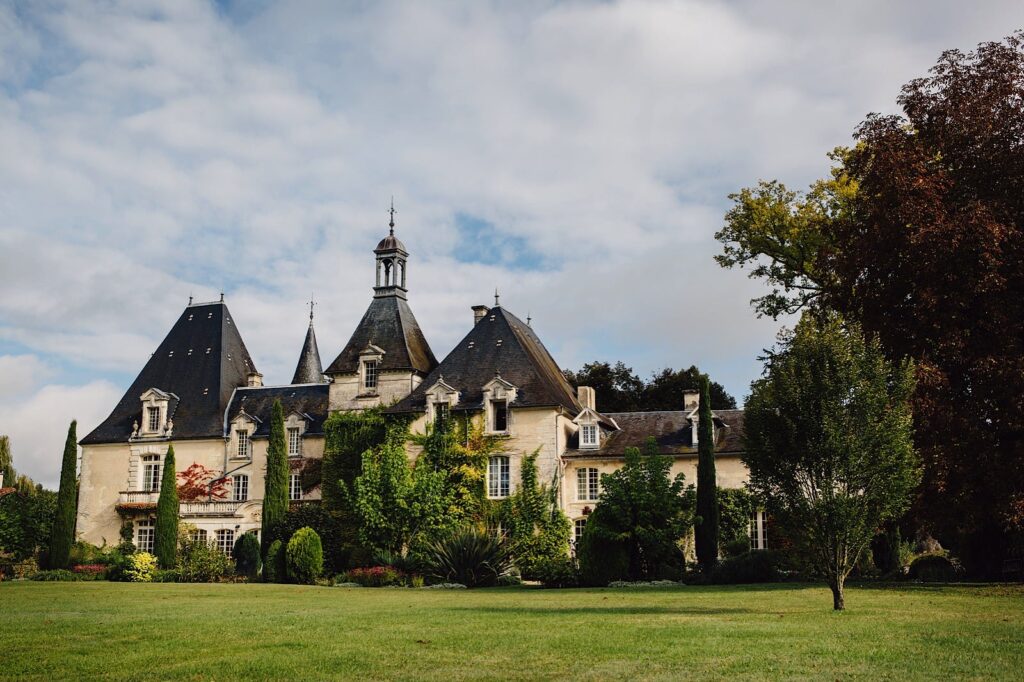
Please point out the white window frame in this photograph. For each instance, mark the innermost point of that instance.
(151, 473)
(493, 416)
(294, 441)
(442, 412)
(240, 488)
(294, 487)
(577, 530)
(152, 419)
(589, 436)
(145, 535)
(588, 484)
(225, 540)
(244, 450)
(499, 479)
(757, 530)
(371, 374)
(199, 535)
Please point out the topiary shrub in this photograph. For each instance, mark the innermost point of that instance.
(758, 566)
(557, 572)
(469, 556)
(274, 570)
(247, 556)
(933, 568)
(305, 556)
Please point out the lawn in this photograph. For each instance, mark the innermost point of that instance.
(165, 631)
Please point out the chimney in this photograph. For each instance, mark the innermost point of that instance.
(255, 379)
(479, 312)
(587, 397)
(691, 400)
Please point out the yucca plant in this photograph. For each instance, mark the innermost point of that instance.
(470, 556)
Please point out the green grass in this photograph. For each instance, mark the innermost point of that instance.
(164, 631)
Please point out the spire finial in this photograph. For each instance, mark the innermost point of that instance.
(392, 212)
(496, 304)
(222, 297)
(528, 319)
(190, 299)
(312, 303)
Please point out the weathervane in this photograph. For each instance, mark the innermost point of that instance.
(496, 304)
(392, 212)
(311, 304)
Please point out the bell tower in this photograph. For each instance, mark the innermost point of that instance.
(391, 261)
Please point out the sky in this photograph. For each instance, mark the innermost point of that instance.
(576, 156)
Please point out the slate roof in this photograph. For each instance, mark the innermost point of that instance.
(390, 325)
(671, 431)
(201, 361)
(499, 343)
(309, 370)
(258, 401)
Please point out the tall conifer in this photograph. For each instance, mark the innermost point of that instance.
(63, 534)
(165, 544)
(275, 493)
(706, 531)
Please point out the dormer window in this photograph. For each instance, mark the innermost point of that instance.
(588, 436)
(498, 398)
(152, 419)
(499, 416)
(244, 444)
(156, 407)
(441, 398)
(294, 442)
(441, 414)
(370, 374)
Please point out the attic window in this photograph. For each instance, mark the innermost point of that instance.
(370, 374)
(588, 436)
(499, 343)
(499, 416)
(190, 317)
(153, 419)
(206, 391)
(190, 351)
(209, 316)
(208, 350)
(171, 354)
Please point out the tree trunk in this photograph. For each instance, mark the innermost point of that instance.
(838, 598)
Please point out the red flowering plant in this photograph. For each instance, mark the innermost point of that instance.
(198, 483)
(90, 571)
(375, 576)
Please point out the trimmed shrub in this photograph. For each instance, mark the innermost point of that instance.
(167, 576)
(933, 568)
(558, 572)
(56, 575)
(305, 556)
(200, 562)
(247, 556)
(375, 576)
(758, 566)
(140, 568)
(469, 556)
(274, 570)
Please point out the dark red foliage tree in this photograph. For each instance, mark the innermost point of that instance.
(195, 484)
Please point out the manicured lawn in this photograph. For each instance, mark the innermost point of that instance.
(163, 631)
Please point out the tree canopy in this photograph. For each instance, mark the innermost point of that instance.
(619, 389)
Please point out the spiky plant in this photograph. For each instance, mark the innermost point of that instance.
(470, 556)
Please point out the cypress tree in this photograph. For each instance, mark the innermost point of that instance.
(63, 533)
(165, 544)
(706, 531)
(275, 492)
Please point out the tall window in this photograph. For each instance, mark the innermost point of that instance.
(588, 436)
(588, 484)
(225, 541)
(294, 487)
(199, 535)
(145, 535)
(577, 530)
(370, 374)
(498, 476)
(244, 445)
(151, 473)
(758, 530)
(294, 442)
(441, 411)
(153, 417)
(499, 415)
(241, 488)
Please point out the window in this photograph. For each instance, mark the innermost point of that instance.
(497, 477)
(199, 535)
(441, 411)
(588, 485)
(244, 450)
(294, 487)
(577, 530)
(588, 436)
(499, 415)
(241, 488)
(225, 541)
(145, 535)
(151, 473)
(370, 374)
(294, 442)
(153, 418)
(758, 530)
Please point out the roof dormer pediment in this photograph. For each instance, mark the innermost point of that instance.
(372, 350)
(244, 417)
(498, 389)
(154, 394)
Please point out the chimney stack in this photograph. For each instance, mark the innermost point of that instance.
(691, 400)
(479, 312)
(587, 397)
(255, 379)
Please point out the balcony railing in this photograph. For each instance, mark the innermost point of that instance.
(138, 497)
(210, 508)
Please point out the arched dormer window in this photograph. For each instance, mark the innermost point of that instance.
(498, 398)
(156, 414)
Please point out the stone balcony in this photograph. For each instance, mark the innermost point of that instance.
(143, 500)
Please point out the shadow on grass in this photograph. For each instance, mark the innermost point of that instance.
(604, 610)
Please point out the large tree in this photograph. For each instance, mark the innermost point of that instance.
(828, 442)
(63, 534)
(165, 544)
(275, 491)
(919, 236)
(706, 530)
(665, 390)
(619, 389)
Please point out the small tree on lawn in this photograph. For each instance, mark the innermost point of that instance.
(706, 530)
(828, 442)
(246, 554)
(275, 494)
(305, 556)
(165, 544)
(63, 534)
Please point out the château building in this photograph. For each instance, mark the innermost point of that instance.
(202, 391)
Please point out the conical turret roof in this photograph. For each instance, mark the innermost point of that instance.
(309, 370)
